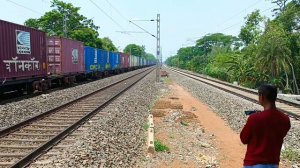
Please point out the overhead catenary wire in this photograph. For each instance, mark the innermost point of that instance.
(130, 21)
(127, 20)
(143, 29)
(116, 10)
(237, 23)
(22, 6)
(227, 28)
(112, 19)
(237, 14)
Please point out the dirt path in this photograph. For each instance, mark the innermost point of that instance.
(226, 140)
(195, 134)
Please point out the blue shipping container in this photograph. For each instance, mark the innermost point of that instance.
(104, 59)
(114, 60)
(91, 60)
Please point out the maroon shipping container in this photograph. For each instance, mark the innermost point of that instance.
(22, 53)
(65, 56)
(124, 60)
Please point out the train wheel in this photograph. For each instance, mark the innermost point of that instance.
(66, 81)
(36, 86)
(44, 85)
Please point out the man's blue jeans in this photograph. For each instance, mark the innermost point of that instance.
(262, 166)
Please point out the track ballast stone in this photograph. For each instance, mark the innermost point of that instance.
(230, 107)
(15, 112)
(118, 140)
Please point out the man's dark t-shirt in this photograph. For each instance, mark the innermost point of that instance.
(263, 134)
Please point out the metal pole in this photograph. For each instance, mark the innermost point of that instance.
(158, 50)
(65, 25)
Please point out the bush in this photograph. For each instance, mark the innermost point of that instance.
(159, 147)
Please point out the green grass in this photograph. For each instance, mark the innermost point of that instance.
(160, 147)
(146, 126)
(168, 81)
(291, 155)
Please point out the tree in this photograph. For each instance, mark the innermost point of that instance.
(62, 20)
(34, 23)
(108, 44)
(251, 30)
(150, 56)
(213, 40)
(240, 68)
(273, 53)
(135, 49)
(65, 21)
(88, 36)
(281, 5)
(290, 17)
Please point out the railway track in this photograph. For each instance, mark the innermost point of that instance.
(24, 142)
(18, 96)
(290, 108)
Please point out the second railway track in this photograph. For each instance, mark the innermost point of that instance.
(289, 108)
(22, 143)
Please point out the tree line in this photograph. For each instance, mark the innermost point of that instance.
(265, 51)
(64, 20)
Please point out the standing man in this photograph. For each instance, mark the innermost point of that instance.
(264, 132)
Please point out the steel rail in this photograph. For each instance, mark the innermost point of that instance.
(235, 86)
(25, 161)
(21, 124)
(288, 111)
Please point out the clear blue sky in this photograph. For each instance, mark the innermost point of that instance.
(182, 21)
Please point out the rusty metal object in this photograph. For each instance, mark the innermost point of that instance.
(164, 74)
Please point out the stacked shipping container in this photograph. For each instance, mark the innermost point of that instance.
(65, 56)
(23, 53)
(125, 58)
(92, 60)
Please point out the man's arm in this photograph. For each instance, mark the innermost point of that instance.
(245, 135)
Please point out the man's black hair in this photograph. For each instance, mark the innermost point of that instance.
(268, 91)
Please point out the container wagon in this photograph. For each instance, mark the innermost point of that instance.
(133, 61)
(125, 62)
(114, 60)
(104, 61)
(92, 62)
(23, 58)
(65, 60)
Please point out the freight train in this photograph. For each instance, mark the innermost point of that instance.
(29, 60)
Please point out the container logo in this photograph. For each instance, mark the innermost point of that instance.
(75, 56)
(23, 42)
(95, 57)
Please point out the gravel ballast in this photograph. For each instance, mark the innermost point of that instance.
(230, 107)
(15, 112)
(116, 140)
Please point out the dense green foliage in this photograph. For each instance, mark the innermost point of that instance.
(266, 51)
(160, 147)
(64, 20)
(134, 49)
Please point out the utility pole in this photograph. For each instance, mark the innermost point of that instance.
(65, 25)
(158, 50)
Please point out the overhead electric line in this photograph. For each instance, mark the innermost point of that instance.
(34, 11)
(254, 4)
(143, 29)
(126, 32)
(116, 10)
(113, 20)
(242, 21)
(106, 14)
